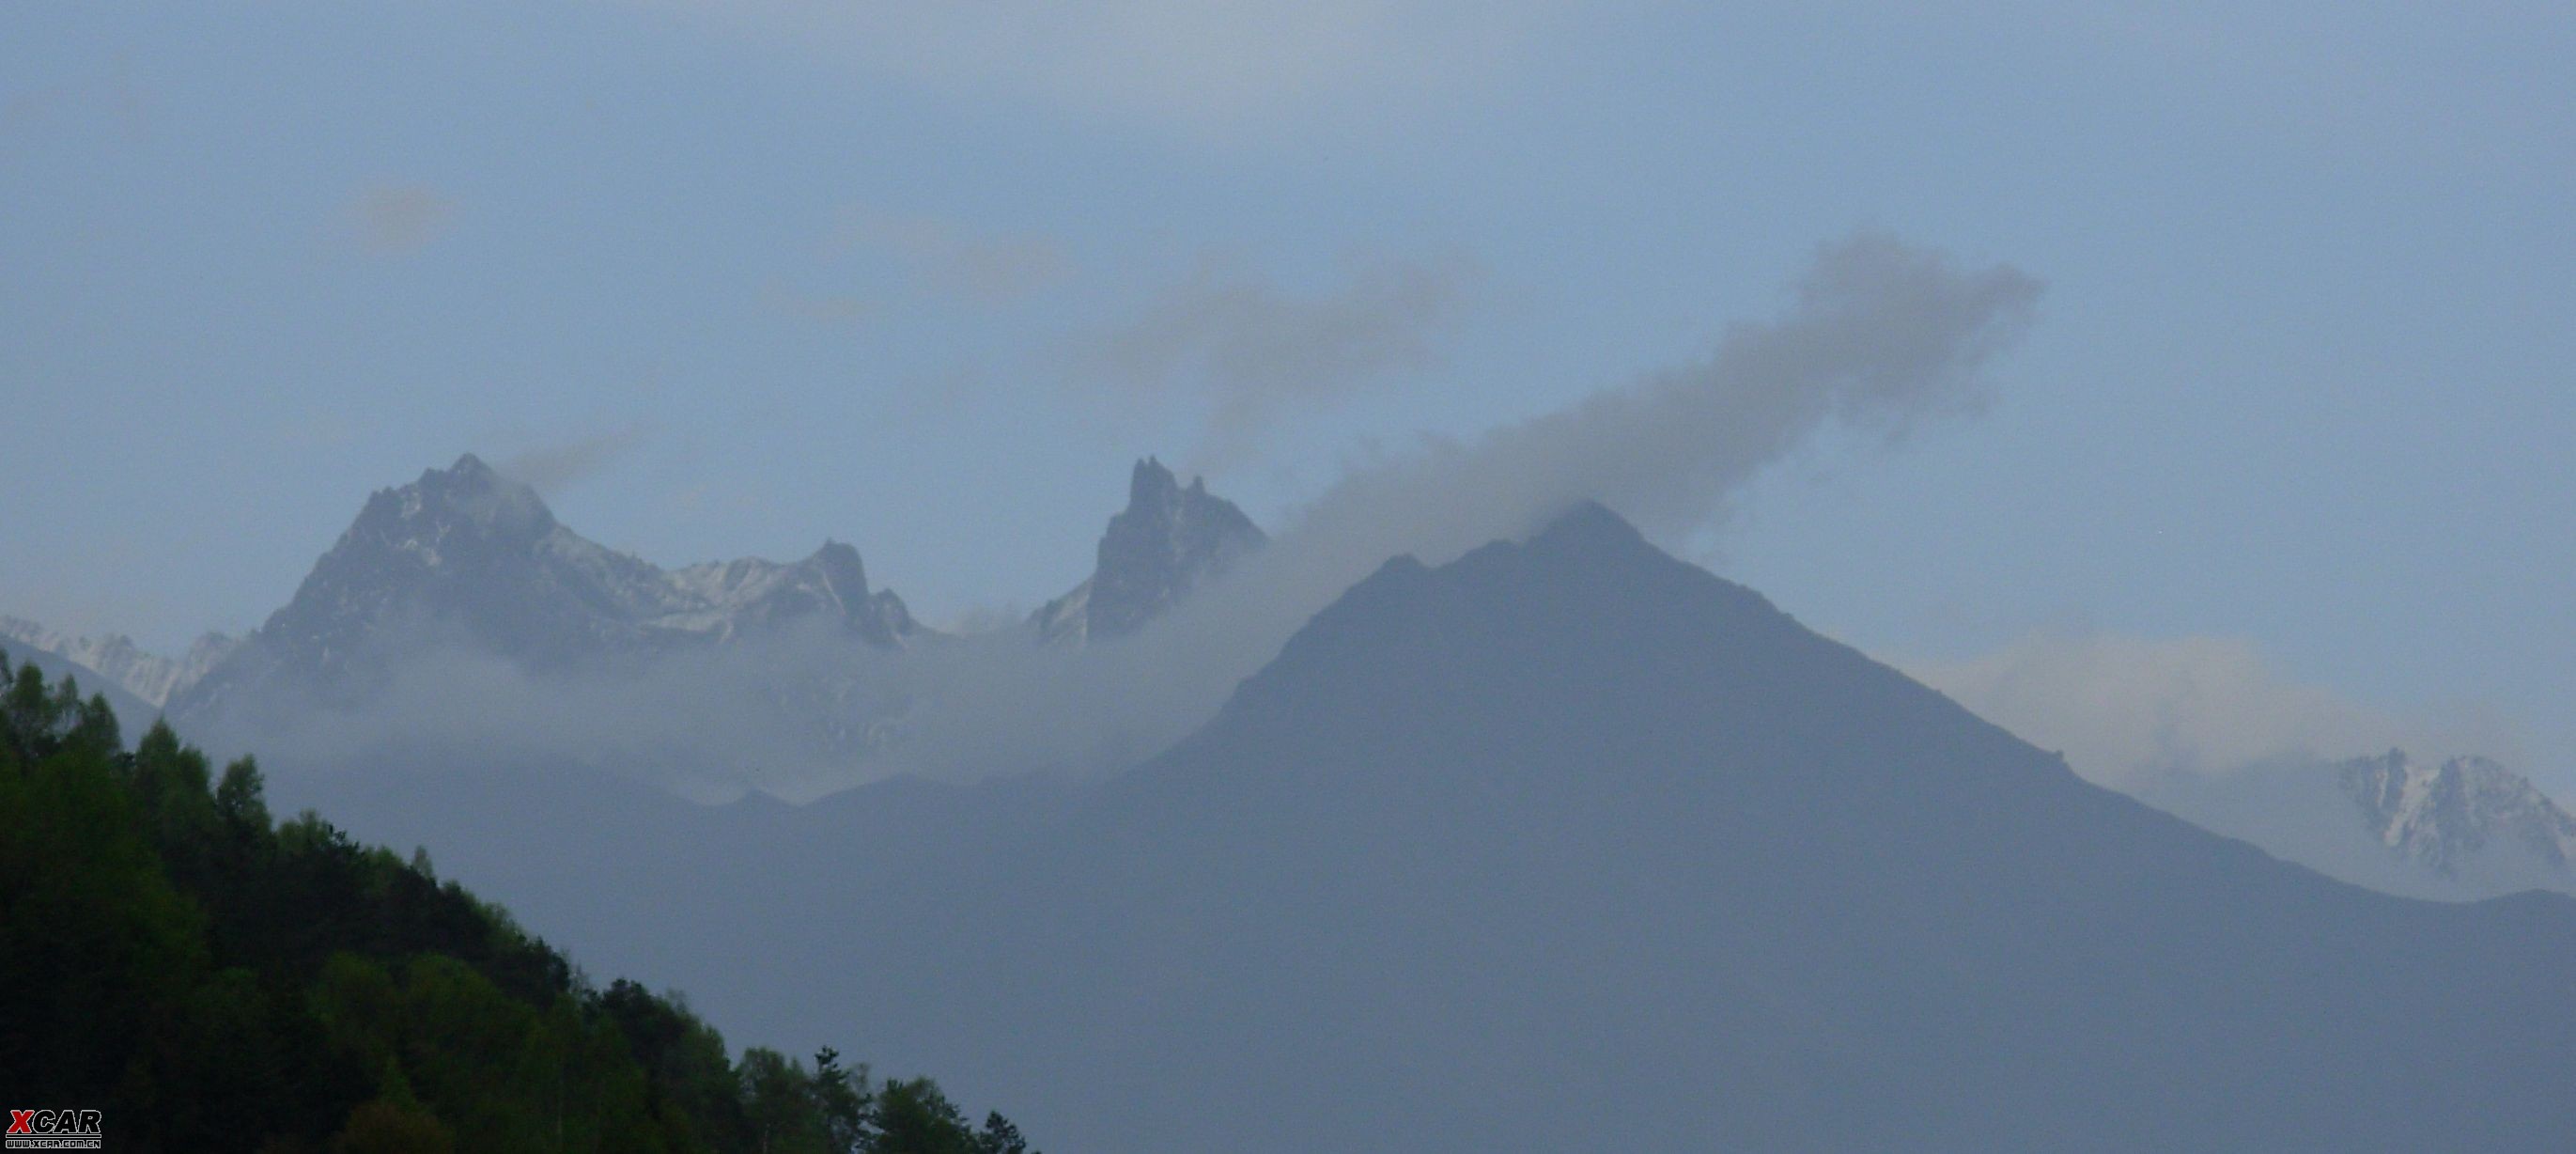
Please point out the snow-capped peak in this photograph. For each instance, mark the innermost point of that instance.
(150, 676)
(2443, 815)
(467, 554)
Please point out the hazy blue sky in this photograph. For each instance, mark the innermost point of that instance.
(731, 278)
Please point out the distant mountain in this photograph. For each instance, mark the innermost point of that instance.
(2458, 814)
(132, 712)
(1569, 845)
(456, 614)
(2457, 829)
(148, 677)
(466, 556)
(1166, 542)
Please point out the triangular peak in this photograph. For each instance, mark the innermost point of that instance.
(1588, 524)
(1150, 480)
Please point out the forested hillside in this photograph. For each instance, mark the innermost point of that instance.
(213, 980)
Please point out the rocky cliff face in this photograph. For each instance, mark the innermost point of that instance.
(1166, 542)
(466, 556)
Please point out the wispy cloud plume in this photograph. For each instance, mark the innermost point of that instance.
(835, 310)
(552, 468)
(2128, 711)
(1210, 67)
(951, 257)
(398, 219)
(1249, 350)
(1879, 335)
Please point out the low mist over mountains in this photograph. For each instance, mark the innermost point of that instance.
(1572, 814)
(456, 615)
(456, 618)
(1455, 795)
(1563, 812)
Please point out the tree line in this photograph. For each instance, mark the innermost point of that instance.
(216, 980)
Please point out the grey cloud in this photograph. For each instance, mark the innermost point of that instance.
(1213, 68)
(832, 309)
(398, 219)
(1251, 349)
(322, 431)
(707, 723)
(2213, 731)
(1879, 335)
(108, 95)
(2121, 707)
(954, 258)
(549, 469)
(2129, 710)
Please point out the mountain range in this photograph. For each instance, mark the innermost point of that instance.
(1564, 819)
(465, 569)
(148, 679)
(1564, 844)
(465, 559)
(465, 556)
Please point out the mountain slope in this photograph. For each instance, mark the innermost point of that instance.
(196, 977)
(1574, 821)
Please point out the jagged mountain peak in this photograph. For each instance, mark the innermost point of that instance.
(1150, 479)
(1155, 496)
(467, 492)
(469, 476)
(830, 583)
(1168, 539)
(466, 555)
(839, 555)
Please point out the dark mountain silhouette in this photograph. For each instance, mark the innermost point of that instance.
(1568, 845)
